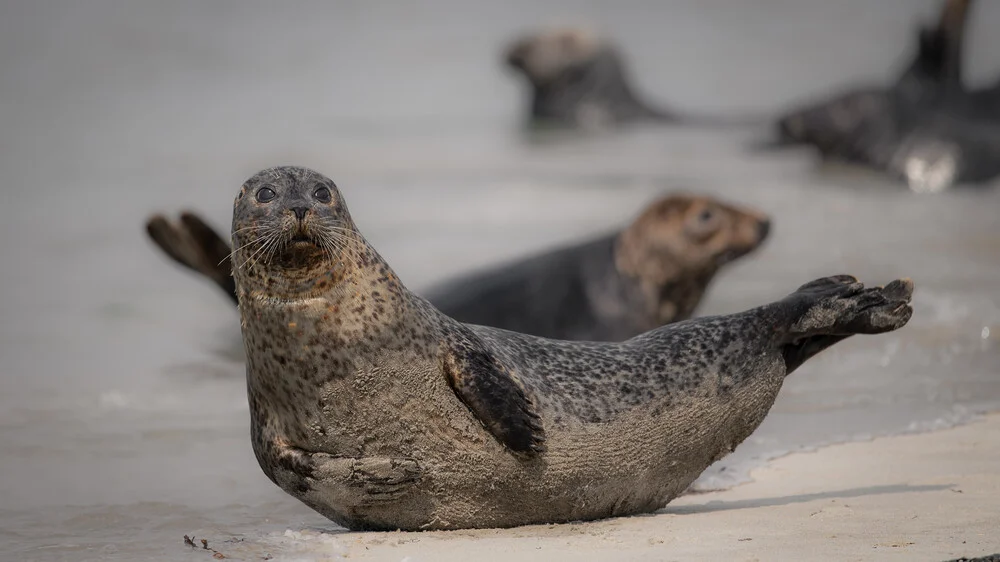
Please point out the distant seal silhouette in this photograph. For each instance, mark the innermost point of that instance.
(616, 286)
(926, 129)
(380, 412)
(610, 288)
(579, 80)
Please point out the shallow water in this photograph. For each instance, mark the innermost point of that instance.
(123, 422)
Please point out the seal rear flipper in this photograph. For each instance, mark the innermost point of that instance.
(495, 398)
(195, 245)
(828, 310)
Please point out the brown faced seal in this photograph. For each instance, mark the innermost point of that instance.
(611, 288)
(616, 286)
(380, 412)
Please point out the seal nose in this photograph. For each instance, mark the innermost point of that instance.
(300, 212)
(763, 228)
(516, 55)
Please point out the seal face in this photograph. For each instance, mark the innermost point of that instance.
(577, 79)
(653, 272)
(380, 412)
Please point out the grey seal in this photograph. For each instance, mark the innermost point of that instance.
(578, 79)
(380, 412)
(926, 129)
(615, 286)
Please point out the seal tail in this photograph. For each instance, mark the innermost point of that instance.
(194, 244)
(938, 62)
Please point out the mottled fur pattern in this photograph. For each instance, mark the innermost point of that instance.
(378, 411)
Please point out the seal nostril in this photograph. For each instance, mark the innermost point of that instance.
(300, 212)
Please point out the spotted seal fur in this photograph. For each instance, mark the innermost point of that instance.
(653, 272)
(379, 412)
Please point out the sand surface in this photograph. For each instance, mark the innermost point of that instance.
(932, 496)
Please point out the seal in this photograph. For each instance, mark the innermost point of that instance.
(653, 272)
(379, 412)
(578, 79)
(927, 129)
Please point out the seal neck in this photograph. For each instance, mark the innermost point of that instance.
(357, 273)
(668, 291)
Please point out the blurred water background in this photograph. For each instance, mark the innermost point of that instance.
(123, 421)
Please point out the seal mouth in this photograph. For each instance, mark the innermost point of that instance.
(301, 251)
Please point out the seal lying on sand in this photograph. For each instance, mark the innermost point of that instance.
(380, 412)
(653, 272)
(926, 129)
(578, 79)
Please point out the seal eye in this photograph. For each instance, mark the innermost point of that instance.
(265, 194)
(322, 194)
(704, 224)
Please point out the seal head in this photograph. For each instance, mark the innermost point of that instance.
(294, 221)
(674, 249)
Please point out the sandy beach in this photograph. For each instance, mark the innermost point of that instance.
(932, 496)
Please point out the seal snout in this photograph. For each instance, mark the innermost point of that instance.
(517, 54)
(763, 229)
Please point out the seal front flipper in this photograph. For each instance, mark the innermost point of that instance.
(493, 395)
(374, 479)
(828, 310)
(345, 481)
